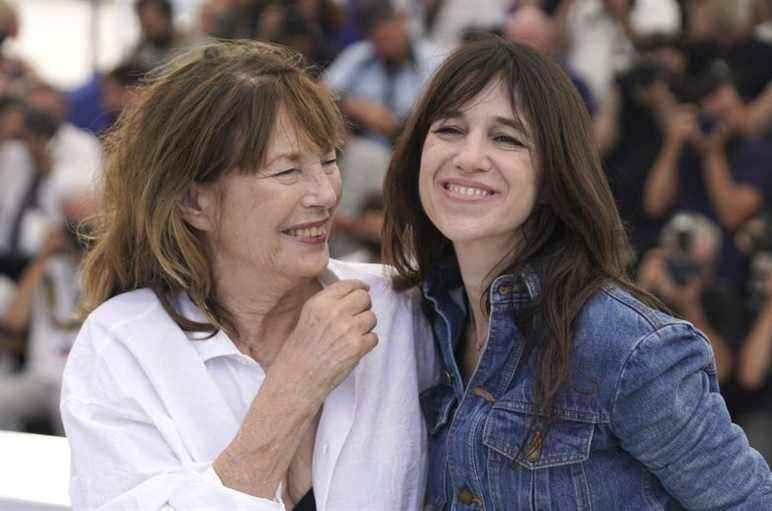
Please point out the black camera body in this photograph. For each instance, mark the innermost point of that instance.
(681, 266)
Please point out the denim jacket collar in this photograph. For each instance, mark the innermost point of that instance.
(522, 286)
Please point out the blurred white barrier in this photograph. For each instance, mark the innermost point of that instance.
(34, 472)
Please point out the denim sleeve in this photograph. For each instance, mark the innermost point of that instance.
(668, 414)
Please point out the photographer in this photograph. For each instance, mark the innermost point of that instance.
(42, 313)
(644, 128)
(715, 170)
(682, 273)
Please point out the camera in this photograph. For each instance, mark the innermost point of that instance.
(678, 241)
(707, 123)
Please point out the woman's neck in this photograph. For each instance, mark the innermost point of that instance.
(478, 263)
(265, 311)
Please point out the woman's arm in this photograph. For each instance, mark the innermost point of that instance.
(661, 187)
(756, 355)
(130, 453)
(669, 414)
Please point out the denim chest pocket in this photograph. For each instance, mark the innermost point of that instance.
(509, 430)
(533, 470)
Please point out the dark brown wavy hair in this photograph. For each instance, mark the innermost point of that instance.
(208, 113)
(573, 237)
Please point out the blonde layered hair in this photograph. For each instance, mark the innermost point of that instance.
(209, 113)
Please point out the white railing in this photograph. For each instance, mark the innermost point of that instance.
(34, 472)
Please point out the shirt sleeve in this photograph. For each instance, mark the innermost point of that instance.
(125, 454)
(122, 463)
(669, 414)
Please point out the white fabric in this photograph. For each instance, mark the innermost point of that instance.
(147, 410)
(77, 162)
(52, 329)
(457, 16)
(16, 174)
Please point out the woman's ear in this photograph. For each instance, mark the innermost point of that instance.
(198, 207)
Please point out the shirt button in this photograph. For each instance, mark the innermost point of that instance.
(466, 497)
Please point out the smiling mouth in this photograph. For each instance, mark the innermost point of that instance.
(307, 232)
(467, 191)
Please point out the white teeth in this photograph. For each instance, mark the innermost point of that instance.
(308, 232)
(469, 191)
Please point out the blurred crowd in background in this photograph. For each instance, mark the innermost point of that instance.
(680, 93)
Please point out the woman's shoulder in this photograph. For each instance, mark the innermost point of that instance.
(618, 310)
(126, 308)
(116, 343)
(615, 323)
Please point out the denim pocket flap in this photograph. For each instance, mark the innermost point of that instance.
(436, 405)
(511, 434)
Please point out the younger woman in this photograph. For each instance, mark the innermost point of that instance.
(563, 387)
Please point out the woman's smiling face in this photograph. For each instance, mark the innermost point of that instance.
(276, 221)
(478, 181)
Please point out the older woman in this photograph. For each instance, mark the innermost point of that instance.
(226, 362)
(564, 388)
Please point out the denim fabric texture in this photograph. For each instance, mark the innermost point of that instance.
(640, 426)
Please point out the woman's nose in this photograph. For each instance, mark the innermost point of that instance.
(472, 155)
(323, 190)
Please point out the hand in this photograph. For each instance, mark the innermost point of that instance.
(681, 124)
(714, 143)
(333, 333)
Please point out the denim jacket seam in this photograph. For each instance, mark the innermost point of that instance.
(639, 309)
(639, 343)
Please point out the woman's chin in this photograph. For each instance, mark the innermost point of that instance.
(309, 265)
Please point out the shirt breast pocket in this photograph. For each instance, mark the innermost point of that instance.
(544, 465)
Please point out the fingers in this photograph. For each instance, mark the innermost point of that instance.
(342, 288)
(356, 302)
(366, 321)
(369, 341)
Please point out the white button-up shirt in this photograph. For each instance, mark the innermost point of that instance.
(147, 410)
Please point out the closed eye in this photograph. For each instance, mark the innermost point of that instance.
(286, 173)
(508, 140)
(331, 161)
(448, 130)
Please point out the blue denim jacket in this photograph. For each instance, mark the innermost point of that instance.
(640, 426)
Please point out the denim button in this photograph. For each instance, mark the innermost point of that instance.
(466, 497)
(448, 378)
(505, 290)
(534, 447)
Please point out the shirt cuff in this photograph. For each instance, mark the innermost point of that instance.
(210, 475)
